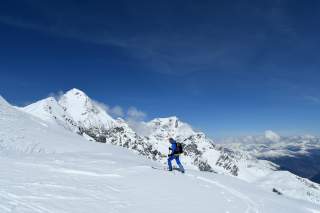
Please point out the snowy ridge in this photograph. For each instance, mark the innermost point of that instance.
(25, 133)
(76, 175)
(201, 153)
(49, 110)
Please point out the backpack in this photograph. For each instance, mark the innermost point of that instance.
(179, 149)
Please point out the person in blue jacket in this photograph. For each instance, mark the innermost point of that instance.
(174, 155)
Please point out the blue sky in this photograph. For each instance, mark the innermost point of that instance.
(226, 67)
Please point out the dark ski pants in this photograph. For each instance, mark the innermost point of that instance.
(175, 157)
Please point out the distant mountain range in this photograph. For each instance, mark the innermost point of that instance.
(297, 154)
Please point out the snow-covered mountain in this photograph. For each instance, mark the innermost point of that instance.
(85, 112)
(76, 111)
(89, 119)
(273, 145)
(47, 168)
(298, 154)
(201, 152)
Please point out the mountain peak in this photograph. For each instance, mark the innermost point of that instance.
(75, 92)
(171, 119)
(171, 126)
(85, 111)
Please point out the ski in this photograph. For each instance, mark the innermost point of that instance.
(159, 168)
(165, 169)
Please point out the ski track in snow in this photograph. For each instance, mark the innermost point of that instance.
(313, 211)
(79, 172)
(252, 207)
(53, 187)
(21, 202)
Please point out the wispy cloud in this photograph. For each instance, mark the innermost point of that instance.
(173, 53)
(56, 95)
(63, 30)
(115, 111)
(172, 48)
(134, 113)
(312, 99)
(135, 119)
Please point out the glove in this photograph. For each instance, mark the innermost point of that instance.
(170, 155)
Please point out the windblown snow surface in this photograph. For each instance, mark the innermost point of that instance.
(45, 168)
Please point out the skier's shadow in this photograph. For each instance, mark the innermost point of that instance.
(176, 169)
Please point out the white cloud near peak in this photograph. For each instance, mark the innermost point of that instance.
(115, 111)
(135, 114)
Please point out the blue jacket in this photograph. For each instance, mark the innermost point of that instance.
(173, 148)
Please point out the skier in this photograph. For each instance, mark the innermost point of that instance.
(176, 150)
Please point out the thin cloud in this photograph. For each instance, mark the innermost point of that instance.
(135, 114)
(115, 111)
(64, 31)
(173, 53)
(170, 48)
(312, 99)
(56, 95)
(135, 119)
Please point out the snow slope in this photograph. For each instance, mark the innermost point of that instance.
(49, 110)
(205, 154)
(200, 151)
(45, 168)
